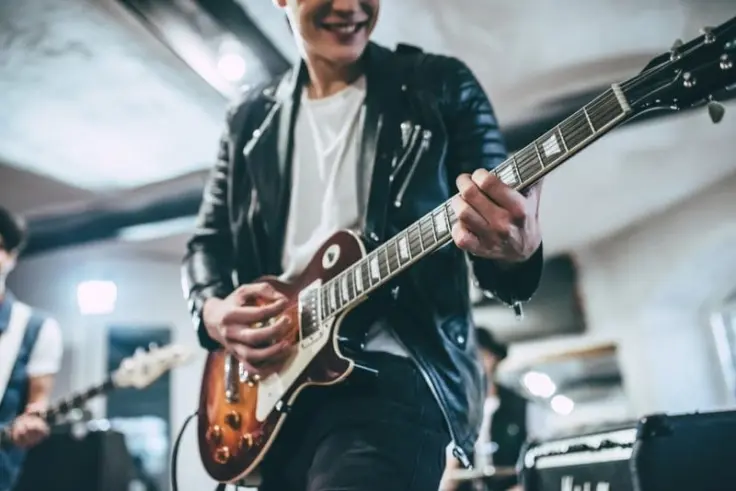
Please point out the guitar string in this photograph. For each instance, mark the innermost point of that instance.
(577, 128)
(389, 247)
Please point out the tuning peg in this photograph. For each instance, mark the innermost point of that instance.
(674, 54)
(716, 111)
(709, 37)
(152, 346)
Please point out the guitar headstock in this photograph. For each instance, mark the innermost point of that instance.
(689, 75)
(144, 367)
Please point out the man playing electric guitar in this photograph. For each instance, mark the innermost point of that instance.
(364, 138)
(30, 355)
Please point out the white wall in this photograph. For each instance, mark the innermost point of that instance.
(654, 288)
(149, 294)
(651, 289)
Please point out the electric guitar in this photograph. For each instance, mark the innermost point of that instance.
(138, 371)
(240, 416)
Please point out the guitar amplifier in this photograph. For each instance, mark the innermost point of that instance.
(658, 453)
(99, 461)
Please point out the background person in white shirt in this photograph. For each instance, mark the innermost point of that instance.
(30, 356)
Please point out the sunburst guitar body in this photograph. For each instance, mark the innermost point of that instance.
(239, 417)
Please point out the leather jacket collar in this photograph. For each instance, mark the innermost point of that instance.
(383, 95)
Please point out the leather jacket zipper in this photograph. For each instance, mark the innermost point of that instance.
(426, 139)
(251, 218)
(457, 451)
(412, 141)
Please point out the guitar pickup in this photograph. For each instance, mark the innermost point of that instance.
(307, 342)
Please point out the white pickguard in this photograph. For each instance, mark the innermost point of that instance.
(272, 389)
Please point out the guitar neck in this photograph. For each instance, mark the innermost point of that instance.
(64, 406)
(67, 404)
(433, 230)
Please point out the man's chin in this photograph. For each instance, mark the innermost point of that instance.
(344, 55)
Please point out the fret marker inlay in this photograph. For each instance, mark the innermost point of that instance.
(345, 293)
(358, 280)
(439, 222)
(551, 147)
(333, 298)
(375, 271)
(404, 248)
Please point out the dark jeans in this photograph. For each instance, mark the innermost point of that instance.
(372, 432)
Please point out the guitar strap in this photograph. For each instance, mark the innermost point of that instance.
(11, 341)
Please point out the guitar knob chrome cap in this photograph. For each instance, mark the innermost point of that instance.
(709, 37)
(222, 455)
(688, 80)
(246, 441)
(726, 62)
(214, 435)
(233, 420)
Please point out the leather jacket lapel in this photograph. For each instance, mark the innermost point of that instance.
(381, 137)
(269, 155)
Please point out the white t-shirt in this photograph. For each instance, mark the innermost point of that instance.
(327, 137)
(47, 352)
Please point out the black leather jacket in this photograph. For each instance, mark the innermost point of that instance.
(427, 120)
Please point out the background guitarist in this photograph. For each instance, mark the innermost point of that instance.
(30, 355)
(361, 137)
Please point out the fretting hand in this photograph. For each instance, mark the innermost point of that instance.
(29, 428)
(494, 220)
(231, 321)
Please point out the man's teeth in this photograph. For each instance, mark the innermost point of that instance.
(344, 28)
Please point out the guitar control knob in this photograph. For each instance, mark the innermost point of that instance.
(222, 455)
(674, 53)
(246, 441)
(214, 435)
(688, 80)
(232, 419)
(708, 36)
(726, 62)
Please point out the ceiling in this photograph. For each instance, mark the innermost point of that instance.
(94, 102)
(90, 98)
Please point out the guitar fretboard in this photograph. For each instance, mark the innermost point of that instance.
(433, 230)
(76, 400)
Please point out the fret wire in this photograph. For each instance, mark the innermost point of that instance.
(434, 229)
(382, 263)
(587, 117)
(562, 138)
(350, 280)
(365, 274)
(445, 205)
(373, 259)
(385, 259)
(516, 168)
(538, 154)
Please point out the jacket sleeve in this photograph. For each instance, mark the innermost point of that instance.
(208, 263)
(475, 141)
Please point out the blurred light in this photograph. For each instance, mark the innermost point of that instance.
(231, 66)
(97, 297)
(539, 384)
(562, 405)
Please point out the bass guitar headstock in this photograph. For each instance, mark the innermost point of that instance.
(689, 75)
